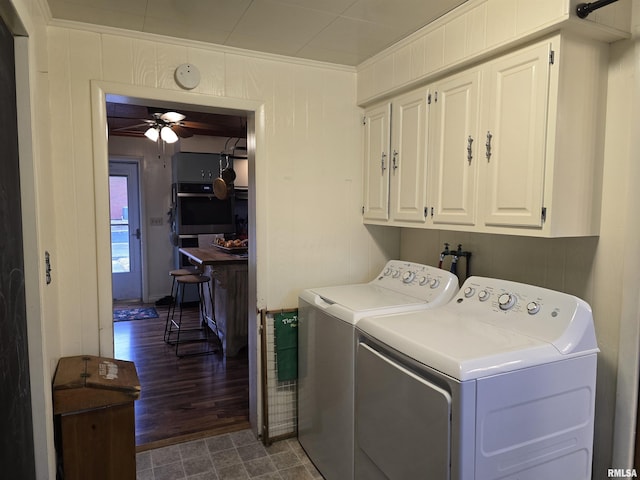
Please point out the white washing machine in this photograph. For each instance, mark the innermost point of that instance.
(326, 351)
(497, 384)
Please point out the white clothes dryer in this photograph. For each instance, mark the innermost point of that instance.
(326, 350)
(497, 384)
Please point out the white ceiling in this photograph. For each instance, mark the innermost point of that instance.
(345, 32)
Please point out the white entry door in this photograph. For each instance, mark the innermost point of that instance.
(124, 201)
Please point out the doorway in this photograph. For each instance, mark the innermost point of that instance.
(253, 112)
(126, 242)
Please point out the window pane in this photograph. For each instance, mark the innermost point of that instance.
(119, 203)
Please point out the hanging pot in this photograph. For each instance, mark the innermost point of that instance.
(220, 189)
(229, 175)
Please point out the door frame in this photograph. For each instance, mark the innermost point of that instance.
(175, 99)
(119, 160)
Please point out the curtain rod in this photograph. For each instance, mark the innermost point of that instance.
(584, 9)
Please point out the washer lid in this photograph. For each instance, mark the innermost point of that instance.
(365, 297)
(352, 302)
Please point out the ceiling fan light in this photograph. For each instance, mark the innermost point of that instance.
(172, 117)
(152, 134)
(168, 135)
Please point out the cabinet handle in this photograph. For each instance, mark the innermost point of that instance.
(469, 152)
(488, 146)
(395, 161)
(382, 165)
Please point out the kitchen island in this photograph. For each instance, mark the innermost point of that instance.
(229, 284)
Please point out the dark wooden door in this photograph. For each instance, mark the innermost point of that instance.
(16, 431)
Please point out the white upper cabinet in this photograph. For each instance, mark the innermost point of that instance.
(514, 145)
(454, 149)
(543, 126)
(395, 174)
(377, 135)
(408, 157)
(514, 130)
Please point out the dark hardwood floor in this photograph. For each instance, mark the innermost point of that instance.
(186, 398)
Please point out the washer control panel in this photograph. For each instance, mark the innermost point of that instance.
(527, 309)
(420, 281)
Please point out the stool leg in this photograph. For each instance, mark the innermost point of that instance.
(179, 319)
(202, 305)
(167, 328)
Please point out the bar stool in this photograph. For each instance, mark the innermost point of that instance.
(174, 294)
(200, 281)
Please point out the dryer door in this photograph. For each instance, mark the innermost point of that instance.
(402, 421)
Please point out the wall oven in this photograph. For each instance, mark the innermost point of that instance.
(198, 211)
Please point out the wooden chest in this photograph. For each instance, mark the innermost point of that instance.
(93, 404)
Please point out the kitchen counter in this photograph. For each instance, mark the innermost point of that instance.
(212, 256)
(229, 284)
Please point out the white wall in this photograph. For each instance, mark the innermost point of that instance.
(308, 167)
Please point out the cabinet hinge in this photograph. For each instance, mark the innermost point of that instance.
(552, 57)
(431, 212)
(364, 119)
(429, 99)
(426, 212)
(363, 209)
(544, 214)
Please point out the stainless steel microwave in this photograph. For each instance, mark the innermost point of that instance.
(197, 210)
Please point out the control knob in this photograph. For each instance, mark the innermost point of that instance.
(483, 295)
(506, 301)
(434, 283)
(469, 291)
(396, 273)
(423, 281)
(408, 276)
(533, 308)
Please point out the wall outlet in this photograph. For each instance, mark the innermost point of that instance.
(156, 221)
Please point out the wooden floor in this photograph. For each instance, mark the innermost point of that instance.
(181, 398)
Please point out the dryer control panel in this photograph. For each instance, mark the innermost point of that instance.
(547, 315)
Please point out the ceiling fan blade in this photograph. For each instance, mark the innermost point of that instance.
(172, 117)
(181, 131)
(132, 127)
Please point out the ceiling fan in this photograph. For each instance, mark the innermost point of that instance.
(135, 121)
(166, 126)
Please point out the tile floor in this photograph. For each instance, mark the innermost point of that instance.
(232, 456)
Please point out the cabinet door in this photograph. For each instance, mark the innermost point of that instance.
(454, 149)
(515, 137)
(408, 157)
(377, 135)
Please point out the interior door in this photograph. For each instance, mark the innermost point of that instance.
(16, 424)
(124, 199)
